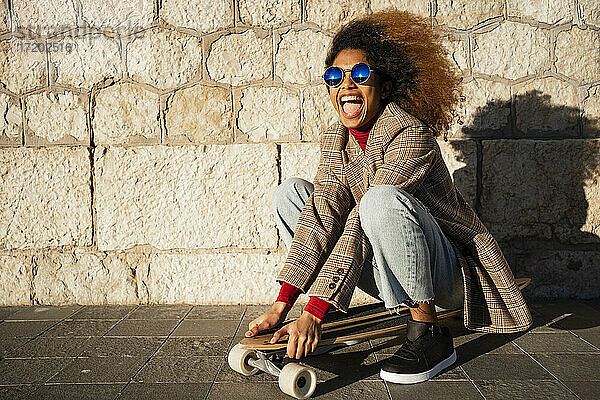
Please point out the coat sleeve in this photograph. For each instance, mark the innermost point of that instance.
(321, 220)
(407, 161)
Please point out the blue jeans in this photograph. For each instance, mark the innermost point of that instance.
(412, 260)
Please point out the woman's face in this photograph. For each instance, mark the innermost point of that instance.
(355, 103)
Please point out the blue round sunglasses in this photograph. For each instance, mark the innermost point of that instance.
(359, 74)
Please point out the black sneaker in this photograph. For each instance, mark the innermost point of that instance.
(426, 351)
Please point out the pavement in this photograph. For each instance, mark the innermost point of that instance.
(179, 352)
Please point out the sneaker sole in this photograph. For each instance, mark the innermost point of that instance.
(421, 376)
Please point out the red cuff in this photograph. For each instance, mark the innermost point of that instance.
(288, 294)
(317, 307)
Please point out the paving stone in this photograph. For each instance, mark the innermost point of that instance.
(472, 345)
(37, 370)
(216, 312)
(553, 344)
(165, 391)
(52, 347)
(179, 369)
(16, 392)
(432, 390)
(44, 313)
(591, 337)
(585, 390)
(504, 367)
(247, 390)
(7, 345)
(7, 311)
(23, 329)
(532, 390)
(194, 346)
(100, 369)
(159, 312)
(571, 367)
(255, 311)
(79, 392)
(75, 328)
(161, 327)
(103, 312)
(123, 347)
(207, 327)
(336, 389)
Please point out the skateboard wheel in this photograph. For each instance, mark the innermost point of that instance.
(297, 381)
(238, 360)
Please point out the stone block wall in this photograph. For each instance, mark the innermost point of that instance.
(140, 142)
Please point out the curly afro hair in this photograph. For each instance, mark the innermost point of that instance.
(404, 49)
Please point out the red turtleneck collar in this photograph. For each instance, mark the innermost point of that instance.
(362, 132)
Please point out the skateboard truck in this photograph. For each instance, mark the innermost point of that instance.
(294, 379)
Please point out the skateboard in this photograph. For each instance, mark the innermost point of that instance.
(339, 330)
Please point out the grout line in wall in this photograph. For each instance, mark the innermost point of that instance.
(235, 12)
(478, 176)
(157, 7)
(23, 119)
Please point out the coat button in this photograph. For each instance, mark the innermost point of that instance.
(332, 286)
(336, 278)
(340, 271)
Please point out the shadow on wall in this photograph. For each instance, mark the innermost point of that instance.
(538, 191)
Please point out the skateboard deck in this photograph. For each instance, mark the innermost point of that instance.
(338, 330)
(360, 323)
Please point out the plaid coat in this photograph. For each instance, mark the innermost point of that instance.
(329, 246)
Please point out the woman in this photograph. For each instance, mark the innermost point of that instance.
(383, 213)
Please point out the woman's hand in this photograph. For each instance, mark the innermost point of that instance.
(304, 335)
(273, 317)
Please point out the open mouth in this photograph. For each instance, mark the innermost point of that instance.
(351, 105)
